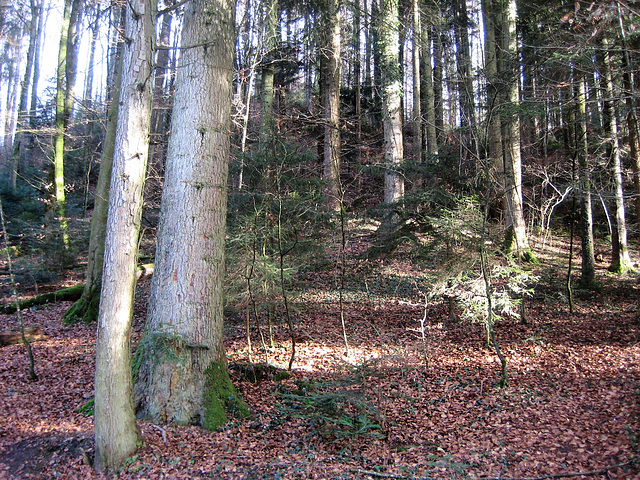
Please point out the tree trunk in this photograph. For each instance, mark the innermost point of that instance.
(437, 81)
(267, 120)
(61, 125)
(331, 78)
(36, 63)
(588, 274)
(388, 39)
(493, 115)
(428, 92)
(516, 241)
(116, 433)
(416, 53)
(18, 144)
(182, 353)
(620, 261)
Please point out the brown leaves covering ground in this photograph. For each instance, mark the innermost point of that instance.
(571, 404)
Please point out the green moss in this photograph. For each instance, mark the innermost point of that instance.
(220, 398)
(86, 409)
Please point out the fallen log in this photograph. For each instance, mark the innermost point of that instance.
(33, 334)
(66, 294)
(70, 294)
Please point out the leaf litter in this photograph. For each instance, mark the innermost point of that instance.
(397, 406)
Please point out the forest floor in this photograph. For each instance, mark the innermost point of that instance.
(397, 406)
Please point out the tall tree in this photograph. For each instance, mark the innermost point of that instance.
(588, 272)
(416, 52)
(389, 44)
(24, 95)
(620, 259)
(183, 373)
(516, 241)
(116, 432)
(60, 124)
(331, 63)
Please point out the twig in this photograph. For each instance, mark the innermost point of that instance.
(162, 431)
(32, 370)
(380, 475)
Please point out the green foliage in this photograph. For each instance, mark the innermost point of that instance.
(333, 414)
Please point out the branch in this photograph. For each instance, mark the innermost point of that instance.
(598, 471)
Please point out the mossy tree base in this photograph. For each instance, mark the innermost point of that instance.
(620, 268)
(221, 399)
(85, 309)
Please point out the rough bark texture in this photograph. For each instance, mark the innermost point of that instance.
(388, 38)
(416, 53)
(332, 63)
(116, 432)
(588, 274)
(620, 259)
(61, 123)
(491, 73)
(516, 241)
(184, 325)
(428, 93)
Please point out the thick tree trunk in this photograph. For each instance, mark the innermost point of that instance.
(182, 353)
(494, 132)
(116, 433)
(388, 39)
(331, 78)
(516, 241)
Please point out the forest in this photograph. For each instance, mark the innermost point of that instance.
(350, 239)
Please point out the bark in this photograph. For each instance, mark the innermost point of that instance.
(491, 73)
(621, 261)
(516, 241)
(416, 51)
(183, 342)
(267, 120)
(388, 39)
(428, 93)
(60, 124)
(463, 62)
(332, 71)
(116, 433)
(588, 274)
(437, 81)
